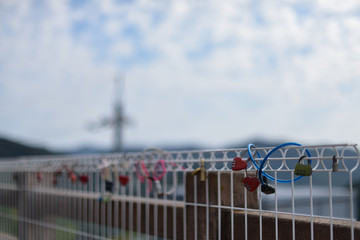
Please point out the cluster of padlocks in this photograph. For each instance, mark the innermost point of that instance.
(153, 175)
(252, 183)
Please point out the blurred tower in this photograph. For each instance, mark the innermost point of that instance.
(117, 120)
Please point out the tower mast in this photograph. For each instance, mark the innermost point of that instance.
(118, 113)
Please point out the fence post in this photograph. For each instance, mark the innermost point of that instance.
(203, 208)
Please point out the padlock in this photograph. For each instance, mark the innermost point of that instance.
(83, 179)
(157, 185)
(266, 188)
(123, 180)
(109, 186)
(39, 176)
(238, 164)
(200, 170)
(303, 170)
(104, 199)
(55, 175)
(72, 177)
(15, 177)
(251, 183)
(335, 164)
(159, 170)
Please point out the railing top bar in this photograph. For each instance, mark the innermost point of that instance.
(266, 148)
(114, 156)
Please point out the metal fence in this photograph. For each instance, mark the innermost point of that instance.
(284, 192)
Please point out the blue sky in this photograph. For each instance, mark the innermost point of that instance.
(204, 72)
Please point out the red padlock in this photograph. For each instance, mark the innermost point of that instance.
(251, 183)
(72, 177)
(39, 176)
(238, 164)
(123, 180)
(55, 181)
(83, 179)
(56, 174)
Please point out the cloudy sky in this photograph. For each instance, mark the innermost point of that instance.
(207, 72)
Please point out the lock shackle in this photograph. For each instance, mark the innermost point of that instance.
(302, 157)
(260, 168)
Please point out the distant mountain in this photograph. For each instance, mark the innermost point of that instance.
(257, 142)
(11, 148)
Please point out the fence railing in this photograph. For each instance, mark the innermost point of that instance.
(246, 193)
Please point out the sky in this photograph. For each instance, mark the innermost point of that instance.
(206, 72)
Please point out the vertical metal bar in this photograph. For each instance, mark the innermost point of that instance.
(174, 208)
(7, 203)
(232, 203)
(102, 209)
(97, 221)
(48, 215)
(276, 209)
(351, 205)
(139, 210)
(85, 207)
(165, 212)
(246, 214)
(116, 205)
(147, 211)
(131, 205)
(3, 218)
(79, 208)
(27, 212)
(331, 208)
(108, 222)
(3, 221)
(185, 201)
(91, 201)
(155, 220)
(293, 204)
(260, 213)
(219, 204)
(311, 208)
(38, 210)
(72, 207)
(195, 207)
(207, 206)
(123, 213)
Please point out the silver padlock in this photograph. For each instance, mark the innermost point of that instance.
(335, 164)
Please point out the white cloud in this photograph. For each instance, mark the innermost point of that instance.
(218, 72)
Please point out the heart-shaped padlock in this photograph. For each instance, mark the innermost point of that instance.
(123, 180)
(238, 164)
(83, 179)
(251, 183)
(303, 170)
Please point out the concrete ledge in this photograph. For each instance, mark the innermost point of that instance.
(341, 228)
